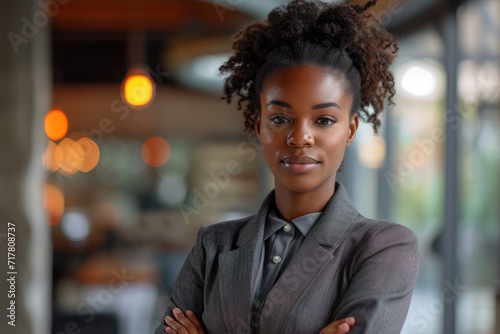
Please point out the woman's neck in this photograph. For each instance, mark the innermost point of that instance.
(292, 204)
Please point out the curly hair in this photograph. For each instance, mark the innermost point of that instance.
(343, 37)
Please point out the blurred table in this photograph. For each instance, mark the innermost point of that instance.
(125, 285)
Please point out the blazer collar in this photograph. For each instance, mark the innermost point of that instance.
(335, 220)
(254, 229)
(328, 230)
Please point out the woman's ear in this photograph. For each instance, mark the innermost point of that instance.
(353, 127)
(256, 124)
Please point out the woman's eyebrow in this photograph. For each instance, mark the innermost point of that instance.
(279, 103)
(318, 106)
(326, 105)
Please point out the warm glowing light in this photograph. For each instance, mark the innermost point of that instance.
(49, 161)
(53, 202)
(155, 151)
(138, 90)
(419, 81)
(69, 155)
(56, 124)
(372, 151)
(91, 154)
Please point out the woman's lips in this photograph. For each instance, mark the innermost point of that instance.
(300, 163)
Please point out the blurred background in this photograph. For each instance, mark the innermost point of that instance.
(116, 148)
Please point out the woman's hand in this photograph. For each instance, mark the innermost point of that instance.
(339, 327)
(183, 324)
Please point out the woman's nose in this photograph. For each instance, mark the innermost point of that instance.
(300, 135)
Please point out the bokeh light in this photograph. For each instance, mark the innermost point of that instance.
(91, 154)
(371, 149)
(49, 161)
(75, 226)
(172, 189)
(138, 90)
(56, 124)
(419, 81)
(53, 202)
(69, 155)
(372, 155)
(155, 151)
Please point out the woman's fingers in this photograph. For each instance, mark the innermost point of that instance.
(181, 324)
(341, 326)
(184, 321)
(169, 330)
(191, 316)
(172, 325)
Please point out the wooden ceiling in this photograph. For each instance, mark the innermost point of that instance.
(150, 15)
(162, 15)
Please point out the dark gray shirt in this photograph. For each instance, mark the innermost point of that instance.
(281, 241)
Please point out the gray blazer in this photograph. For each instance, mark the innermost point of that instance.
(348, 265)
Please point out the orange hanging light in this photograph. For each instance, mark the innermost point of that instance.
(138, 89)
(56, 124)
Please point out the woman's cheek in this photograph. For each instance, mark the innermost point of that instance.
(267, 135)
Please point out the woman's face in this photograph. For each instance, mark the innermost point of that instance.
(304, 126)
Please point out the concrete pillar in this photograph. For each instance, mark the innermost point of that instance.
(25, 93)
(452, 187)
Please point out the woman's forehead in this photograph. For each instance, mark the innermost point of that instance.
(314, 80)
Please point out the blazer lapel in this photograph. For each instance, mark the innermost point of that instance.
(306, 264)
(238, 270)
(311, 257)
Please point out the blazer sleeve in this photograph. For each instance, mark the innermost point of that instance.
(187, 292)
(383, 273)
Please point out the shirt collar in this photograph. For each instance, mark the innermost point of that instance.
(303, 223)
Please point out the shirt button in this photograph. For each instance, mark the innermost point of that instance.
(276, 259)
(287, 227)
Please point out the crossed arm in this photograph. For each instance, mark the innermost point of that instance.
(376, 300)
(188, 323)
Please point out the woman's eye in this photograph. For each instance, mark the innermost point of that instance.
(326, 121)
(278, 119)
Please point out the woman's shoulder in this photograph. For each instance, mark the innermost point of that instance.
(388, 244)
(385, 230)
(226, 225)
(224, 230)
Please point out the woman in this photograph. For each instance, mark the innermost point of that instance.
(307, 262)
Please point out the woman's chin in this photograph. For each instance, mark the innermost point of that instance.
(297, 187)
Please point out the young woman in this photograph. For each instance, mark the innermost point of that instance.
(307, 262)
